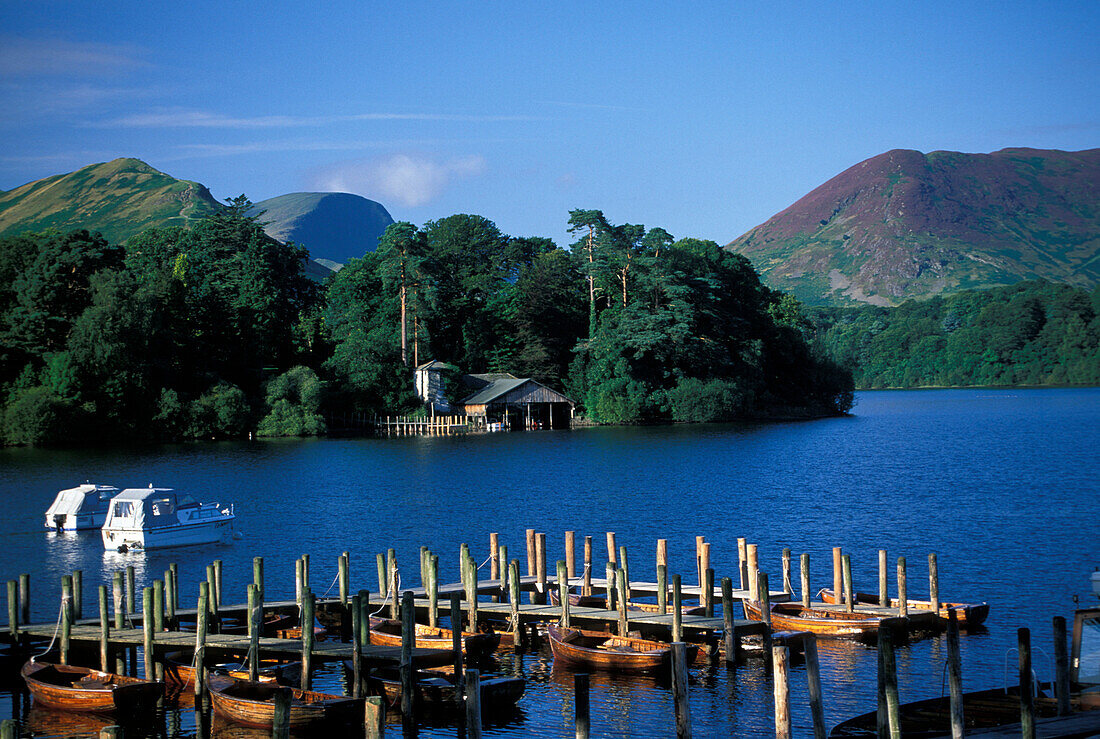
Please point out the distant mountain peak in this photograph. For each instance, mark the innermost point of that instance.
(333, 226)
(904, 224)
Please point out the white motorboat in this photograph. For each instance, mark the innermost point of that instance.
(80, 508)
(153, 518)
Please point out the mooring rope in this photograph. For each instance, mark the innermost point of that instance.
(389, 592)
(487, 561)
(60, 612)
(331, 586)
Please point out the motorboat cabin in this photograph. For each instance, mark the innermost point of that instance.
(153, 518)
(80, 508)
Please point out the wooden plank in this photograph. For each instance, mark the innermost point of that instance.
(1056, 727)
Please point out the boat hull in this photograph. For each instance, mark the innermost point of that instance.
(966, 614)
(476, 646)
(793, 617)
(603, 651)
(70, 688)
(436, 690)
(188, 534)
(253, 704)
(76, 521)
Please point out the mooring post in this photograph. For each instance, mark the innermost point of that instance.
(586, 589)
(609, 578)
(662, 589)
(570, 553)
(494, 561)
(147, 631)
(954, 675)
(408, 640)
(456, 640)
(518, 635)
(344, 576)
(612, 550)
(356, 647)
(364, 618)
(889, 682)
(391, 564)
(742, 561)
(838, 577)
(903, 592)
(201, 614)
(933, 583)
(706, 597)
(728, 634)
(625, 588)
(680, 686)
(78, 595)
(258, 576)
(1027, 701)
(563, 592)
(813, 684)
(104, 631)
(280, 723)
(677, 611)
(530, 552)
(66, 616)
(849, 600)
(117, 599)
(662, 553)
(299, 581)
(218, 582)
(471, 568)
(804, 572)
(751, 569)
(433, 591)
(169, 599)
(708, 588)
(765, 613)
(502, 572)
(788, 587)
(1061, 664)
(624, 625)
(13, 609)
(540, 558)
(782, 692)
(883, 580)
(698, 560)
(307, 638)
(131, 588)
(158, 605)
(580, 704)
(423, 565)
(383, 580)
(9, 729)
(25, 597)
(473, 704)
(254, 628)
(374, 717)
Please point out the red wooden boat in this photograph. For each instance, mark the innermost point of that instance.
(600, 601)
(71, 688)
(476, 646)
(793, 617)
(967, 614)
(179, 670)
(435, 689)
(601, 650)
(253, 704)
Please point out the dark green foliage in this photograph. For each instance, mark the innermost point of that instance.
(1030, 333)
(295, 402)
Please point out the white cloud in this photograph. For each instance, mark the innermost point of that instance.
(409, 179)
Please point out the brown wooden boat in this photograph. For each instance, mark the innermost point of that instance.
(253, 704)
(793, 617)
(600, 601)
(967, 614)
(476, 646)
(71, 688)
(435, 689)
(179, 670)
(601, 650)
(273, 623)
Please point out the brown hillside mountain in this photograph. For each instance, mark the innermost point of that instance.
(907, 225)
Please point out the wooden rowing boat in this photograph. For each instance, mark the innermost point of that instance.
(967, 614)
(793, 617)
(435, 689)
(475, 646)
(253, 704)
(601, 650)
(600, 601)
(71, 688)
(179, 670)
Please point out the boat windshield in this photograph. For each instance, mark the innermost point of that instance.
(1086, 658)
(158, 507)
(123, 509)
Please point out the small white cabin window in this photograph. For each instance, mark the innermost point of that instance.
(123, 509)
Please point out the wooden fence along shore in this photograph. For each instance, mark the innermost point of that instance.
(123, 623)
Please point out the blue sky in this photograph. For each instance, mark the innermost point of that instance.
(703, 118)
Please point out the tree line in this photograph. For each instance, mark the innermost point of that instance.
(214, 331)
(1029, 333)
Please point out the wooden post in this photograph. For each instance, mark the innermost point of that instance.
(933, 583)
(456, 643)
(170, 599)
(680, 685)
(813, 685)
(625, 589)
(471, 568)
(752, 565)
(677, 611)
(9, 729)
(540, 560)
(254, 627)
(530, 552)
(78, 595)
(356, 646)
(104, 631)
(518, 636)
(580, 704)
(954, 675)
(344, 574)
(804, 567)
(1061, 664)
(1027, 701)
(742, 561)
(699, 540)
(570, 554)
(587, 587)
(706, 598)
(299, 581)
(782, 692)
(838, 577)
(765, 610)
(218, 581)
(612, 550)
(280, 724)
(408, 640)
(433, 590)
(609, 578)
(424, 565)
(502, 572)
(383, 579)
(364, 618)
(258, 575)
(788, 588)
(202, 613)
(391, 570)
(13, 609)
(903, 593)
(727, 621)
(374, 717)
(66, 616)
(25, 597)
(307, 638)
(147, 631)
(131, 588)
(624, 625)
(883, 592)
(563, 592)
(662, 589)
(494, 554)
(662, 553)
(849, 600)
(708, 588)
(473, 704)
(158, 606)
(117, 597)
(889, 679)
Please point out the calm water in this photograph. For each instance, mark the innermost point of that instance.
(1002, 485)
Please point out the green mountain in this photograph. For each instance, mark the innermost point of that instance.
(334, 226)
(118, 198)
(905, 225)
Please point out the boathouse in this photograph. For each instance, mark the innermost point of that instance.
(516, 403)
(430, 380)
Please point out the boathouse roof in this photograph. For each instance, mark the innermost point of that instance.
(504, 386)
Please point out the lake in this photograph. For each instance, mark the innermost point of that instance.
(1003, 485)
